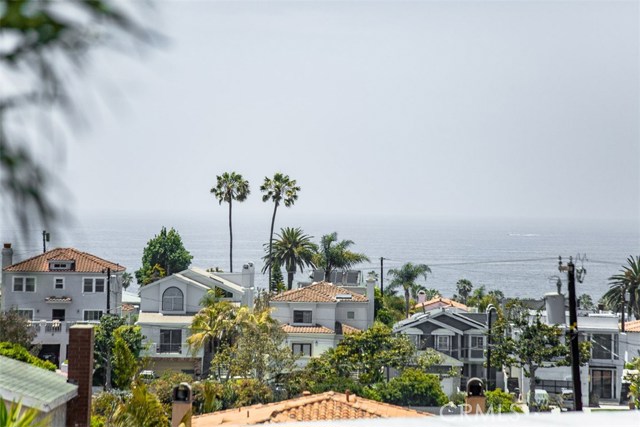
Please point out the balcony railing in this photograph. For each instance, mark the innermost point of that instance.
(170, 350)
(55, 327)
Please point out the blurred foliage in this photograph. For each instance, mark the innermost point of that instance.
(18, 352)
(16, 329)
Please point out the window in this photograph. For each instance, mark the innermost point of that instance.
(170, 341)
(58, 314)
(303, 350)
(61, 265)
(477, 342)
(442, 342)
(300, 316)
(351, 314)
(58, 283)
(24, 284)
(172, 299)
(90, 315)
(601, 347)
(25, 313)
(93, 284)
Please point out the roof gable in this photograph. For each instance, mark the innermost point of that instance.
(320, 292)
(201, 279)
(438, 302)
(84, 262)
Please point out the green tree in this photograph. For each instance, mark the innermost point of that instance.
(165, 251)
(105, 340)
(365, 353)
(413, 387)
(482, 299)
(626, 281)
(463, 287)
(277, 279)
(293, 249)
(405, 277)
(125, 363)
(16, 329)
(335, 255)
(142, 409)
(534, 344)
(585, 302)
(279, 189)
(231, 186)
(501, 402)
(48, 42)
(127, 279)
(389, 307)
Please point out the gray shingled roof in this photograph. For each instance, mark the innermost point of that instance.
(36, 387)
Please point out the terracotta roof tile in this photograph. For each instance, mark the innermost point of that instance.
(319, 407)
(84, 262)
(633, 326)
(317, 329)
(346, 329)
(438, 302)
(319, 292)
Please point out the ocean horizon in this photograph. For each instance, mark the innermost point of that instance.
(517, 256)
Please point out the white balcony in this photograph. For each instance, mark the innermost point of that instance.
(48, 328)
(170, 350)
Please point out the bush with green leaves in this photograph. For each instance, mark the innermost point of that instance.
(412, 388)
(18, 352)
(501, 402)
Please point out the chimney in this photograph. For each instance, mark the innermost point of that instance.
(80, 373)
(7, 255)
(247, 281)
(422, 297)
(347, 393)
(182, 400)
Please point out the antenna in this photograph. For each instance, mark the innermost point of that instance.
(45, 238)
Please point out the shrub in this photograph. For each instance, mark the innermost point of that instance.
(18, 352)
(413, 388)
(458, 398)
(104, 404)
(501, 402)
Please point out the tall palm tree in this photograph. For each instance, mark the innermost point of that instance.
(405, 277)
(231, 186)
(279, 189)
(628, 280)
(127, 278)
(335, 255)
(464, 288)
(293, 249)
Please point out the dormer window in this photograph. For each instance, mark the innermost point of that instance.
(56, 264)
(172, 299)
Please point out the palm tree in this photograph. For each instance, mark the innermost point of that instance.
(628, 280)
(231, 186)
(464, 288)
(334, 255)
(127, 278)
(217, 323)
(279, 189)
(293, 249)
(405, 278)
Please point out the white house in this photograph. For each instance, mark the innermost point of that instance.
(167, 308)
(57, 289)
(316, 317)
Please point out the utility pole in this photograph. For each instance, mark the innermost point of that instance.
(489, 309)
(382, 275)
(624, 291)
(108, 290)
(570, 268)
(45, 238)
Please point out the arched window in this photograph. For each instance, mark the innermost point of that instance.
(172, 299)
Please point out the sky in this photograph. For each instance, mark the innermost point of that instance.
(524, 109)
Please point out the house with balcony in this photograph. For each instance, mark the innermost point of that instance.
(457, 334)
(167, 308)
(316, 317)
(57, 289)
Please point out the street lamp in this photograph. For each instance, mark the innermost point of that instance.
(489, 309)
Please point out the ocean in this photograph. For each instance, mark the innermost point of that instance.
(518, 257)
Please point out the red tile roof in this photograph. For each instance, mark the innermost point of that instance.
(84, 262)
(319, 292)
(317, 329)
(319, 407)
(346, 329)
(438, 302)
(633, 326)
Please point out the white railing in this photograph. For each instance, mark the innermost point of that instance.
(54, 327)
(169, 350)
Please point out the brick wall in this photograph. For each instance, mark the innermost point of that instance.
(80, 373)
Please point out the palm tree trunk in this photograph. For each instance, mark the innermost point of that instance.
(406, 300)
(273, 222)
(290, 279)
(230, 241)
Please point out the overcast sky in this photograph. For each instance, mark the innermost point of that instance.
(474, 109)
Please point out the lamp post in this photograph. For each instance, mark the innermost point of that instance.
(489, 309)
